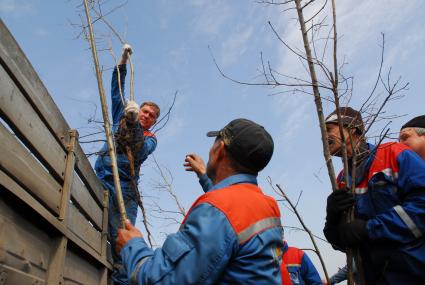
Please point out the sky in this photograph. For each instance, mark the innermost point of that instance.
(174, 44)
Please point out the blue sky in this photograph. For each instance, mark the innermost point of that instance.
(170, 41)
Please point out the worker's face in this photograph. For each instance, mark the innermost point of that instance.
(213, 159)
(147, 116)
(335, 141)
(409, 137)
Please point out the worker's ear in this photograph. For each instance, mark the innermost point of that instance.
(221, 149)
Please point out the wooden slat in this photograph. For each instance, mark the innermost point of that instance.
(24, 245)
(18, 191)
(26, 123)
(86, 172)
(86, 202)
(20, 69)
(78, 224)
(19, 163)
(79, 271)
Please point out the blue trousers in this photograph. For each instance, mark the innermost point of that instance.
(119, 274)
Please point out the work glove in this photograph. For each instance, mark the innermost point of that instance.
(127, 49)
(352, 233)
(338, 202)
(131, 112)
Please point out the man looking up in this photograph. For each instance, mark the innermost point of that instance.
(131, 131)
(296, 267)
(389, 200)
(231, 234)
(412, 134)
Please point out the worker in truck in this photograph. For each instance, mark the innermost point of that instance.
(389, 203)
(412, 134)
(231, 234)
(134, 143)
(296, 267)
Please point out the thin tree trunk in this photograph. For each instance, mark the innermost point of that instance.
(107, 126)
(307, 230)
(317, 98)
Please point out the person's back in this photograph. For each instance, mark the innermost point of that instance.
(297, 268)
(231, 235)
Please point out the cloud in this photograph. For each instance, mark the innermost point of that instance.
(41, 32)
(236, 45)
(15, 7)
(212, 17)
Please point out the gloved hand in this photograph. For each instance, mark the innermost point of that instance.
(131, 111)
(353, 233)
(127, 49)
(338, 202)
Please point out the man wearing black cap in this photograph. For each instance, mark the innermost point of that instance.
(231, 234)
(389, 200)
(412, 134)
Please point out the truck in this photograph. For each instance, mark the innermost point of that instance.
(53, 208)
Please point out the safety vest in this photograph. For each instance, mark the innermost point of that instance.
(247, 209)
(292, 259)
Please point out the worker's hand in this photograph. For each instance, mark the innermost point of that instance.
(338, 202)
(131, 111)
(324, 282)
(353, 233)
(127, 49)
(126, 52)
(194, 162)
(124, 235)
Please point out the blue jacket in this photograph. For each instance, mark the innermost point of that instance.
(300, 268)
(390, 196)
(103, 162)
(206, 250)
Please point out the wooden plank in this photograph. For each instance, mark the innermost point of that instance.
(26, 123)
(87, 174)
(85, 201)
(11, 275)
(57, 261)
(18, 162)
(18, 191)
(21, 71)
(78, 270)
(79, 225)
(25, 246)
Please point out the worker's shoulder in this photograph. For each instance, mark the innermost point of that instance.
(392, 148)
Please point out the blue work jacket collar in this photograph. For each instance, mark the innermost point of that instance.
(236, 179)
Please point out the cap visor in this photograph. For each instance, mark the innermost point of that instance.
(213, 134)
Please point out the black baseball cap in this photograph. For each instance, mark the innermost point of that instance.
(417, 122)
(350, 118)
(248, 143)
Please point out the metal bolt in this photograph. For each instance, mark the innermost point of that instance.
(3, 277)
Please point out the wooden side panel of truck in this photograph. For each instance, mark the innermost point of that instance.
(53, 209)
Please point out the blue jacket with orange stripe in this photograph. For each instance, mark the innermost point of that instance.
(231, 235)
(299, 268)
(390, 196)
(103, 162)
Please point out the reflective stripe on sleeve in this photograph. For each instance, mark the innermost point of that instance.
(360, 190)
(408, 221)
(133, 279)
(257, 227)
